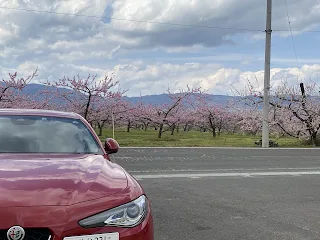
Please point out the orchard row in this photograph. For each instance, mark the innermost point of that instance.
(294, 109)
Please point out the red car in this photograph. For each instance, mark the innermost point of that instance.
(58, 182)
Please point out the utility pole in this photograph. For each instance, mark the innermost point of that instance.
(265, 123)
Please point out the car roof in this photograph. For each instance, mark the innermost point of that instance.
(38, 112)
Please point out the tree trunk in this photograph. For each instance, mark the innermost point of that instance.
(314, 139)
(214, 134)
(234, 130)
(145, 126)
(160, 130)
(177, 129)
(213, 127)
(185, 128)
(172, 129)
(87, 107)
(100, 129)
(129, 126)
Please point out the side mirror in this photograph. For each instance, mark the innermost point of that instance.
(111, 146)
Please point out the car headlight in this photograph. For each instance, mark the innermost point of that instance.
(128, 215)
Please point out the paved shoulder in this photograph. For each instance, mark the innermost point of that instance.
(211, 160)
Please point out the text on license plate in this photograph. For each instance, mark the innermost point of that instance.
(104, 236)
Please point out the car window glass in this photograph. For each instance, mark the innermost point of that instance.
(29, 134)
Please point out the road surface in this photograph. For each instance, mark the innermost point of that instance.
(226, 193)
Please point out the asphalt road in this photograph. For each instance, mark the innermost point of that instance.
(229, 194)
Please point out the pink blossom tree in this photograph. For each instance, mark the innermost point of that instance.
(167, 112)
(144, 113)
(295, 110)
(24, 101)
(125, 113)
(11, 89)
(185, 116)
(100, 115)
(251, 121)
(213, 116)
(189, 120)
(84, 92)
(107, 109)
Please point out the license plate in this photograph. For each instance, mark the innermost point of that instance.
(104, 236)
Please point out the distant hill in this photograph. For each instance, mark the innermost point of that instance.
(32, 89)
(164, 98)
(222, 100)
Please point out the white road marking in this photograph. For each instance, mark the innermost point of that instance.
(237, 174)
(236, 148)
(218, 170)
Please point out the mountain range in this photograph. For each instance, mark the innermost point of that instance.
(32, 89)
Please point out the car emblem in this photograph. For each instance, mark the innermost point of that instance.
(15, 233)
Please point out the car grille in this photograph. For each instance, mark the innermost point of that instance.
(31, 234)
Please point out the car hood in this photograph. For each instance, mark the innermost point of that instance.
(57, 180)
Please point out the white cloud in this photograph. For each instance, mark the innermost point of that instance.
(62, 33)
(249, 14)
(69, 45)
(155, 79)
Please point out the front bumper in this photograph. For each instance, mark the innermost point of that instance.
(61, 222)
(144, 231)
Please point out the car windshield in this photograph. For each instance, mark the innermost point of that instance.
(43, 134)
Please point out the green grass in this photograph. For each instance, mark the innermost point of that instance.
(141, 138)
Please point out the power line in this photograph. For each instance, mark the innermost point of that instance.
(293, 44)
(295, 30)
(154, 22)
(131, 20)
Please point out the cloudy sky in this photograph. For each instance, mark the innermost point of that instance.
(155, 44)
